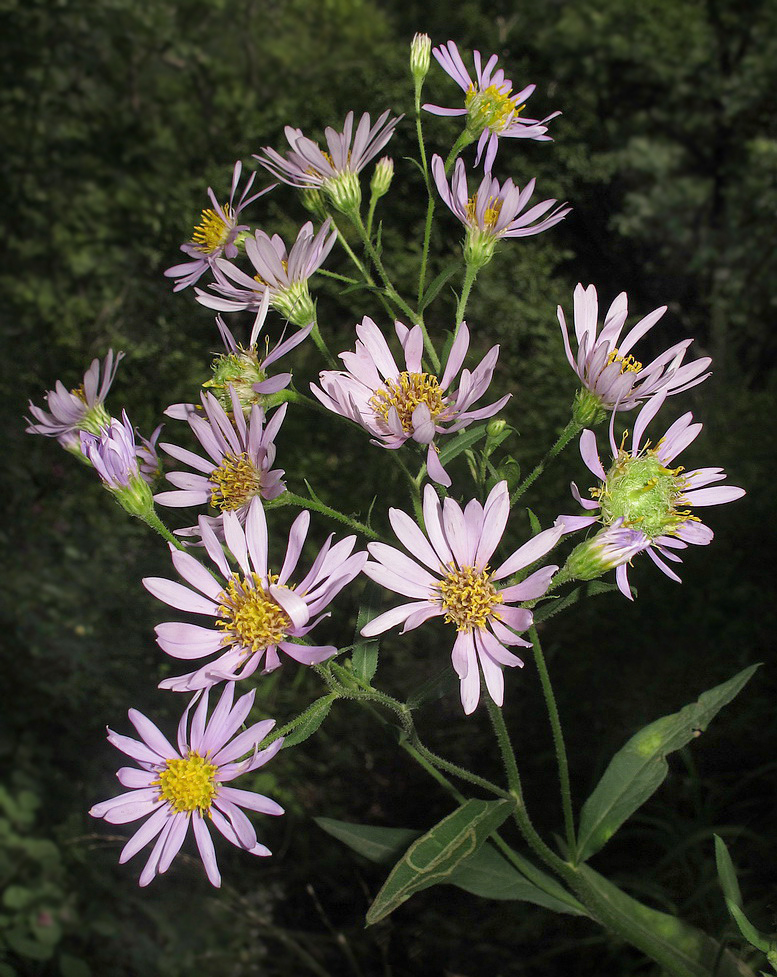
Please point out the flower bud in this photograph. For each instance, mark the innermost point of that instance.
(382, 177)
(587, 409)
(313, 201)
(608, 549)
(420, 49)
(295, 304)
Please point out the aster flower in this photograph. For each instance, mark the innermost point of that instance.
(216, 233)
(238, 469)
(604, 364)
(148, 458)
(491, 109)
(449, 576)
(399, 405)
(284, 274)
(494, 211)
(188, 785)
(257, 613)
(641, 493)
(334, 171)
(80, 409)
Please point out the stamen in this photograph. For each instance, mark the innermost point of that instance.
(468, 597)
(492, 108)
(212, 232)
(490, 216)
(235, 481)
(251, 617)
(627, 363)
(406, 393)
(189, 784)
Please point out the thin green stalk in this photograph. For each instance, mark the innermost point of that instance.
(369, 280)
(392, 293)
(558, 742)
(152, 519)
(318, 339)
(289, 498)
(461, 772)
(569, 432)
(415, 492)
(430, 205)
(470, 275)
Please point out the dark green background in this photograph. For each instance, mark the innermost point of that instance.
(116, 116)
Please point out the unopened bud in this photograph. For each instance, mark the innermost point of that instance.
(420, 49)
(313, 201)
(382, 177)
(608, 549)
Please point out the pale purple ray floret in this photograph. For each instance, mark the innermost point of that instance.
(307, 165)
(113, 453)
(396, 405)
(256, 612)
(189, 785)
(81, 409)
(494, 209)
(238, 467)
(449, 577)
(215, 235)
(492, 111)
(641, 493)
(283, 273)
(604, 364)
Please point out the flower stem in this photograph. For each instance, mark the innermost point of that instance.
(470, 275)
(318, 339)
(289, 498)
(558, 742)
(569, 432)
(152, 519)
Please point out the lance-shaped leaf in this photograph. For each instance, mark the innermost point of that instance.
(309, 721)
(365, 650)
(639, 768)
(436, 284)
(454, 446)
(728, 882)
(677, 946)
(486, 873)
(436, 855)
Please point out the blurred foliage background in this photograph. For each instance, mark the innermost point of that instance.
(116, 117)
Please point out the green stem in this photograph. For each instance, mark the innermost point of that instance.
(360, 265)
(430, 205)
(318, 339)
(415, 491)
(470, 275)
(289, 498)
(392, 293)
(569, 432)
(371, 213)
(152, 519)
(455, 770)
(558, 742)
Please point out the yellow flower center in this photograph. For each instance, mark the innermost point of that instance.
(250, 617)
(490, 216)
(492, 108)
(212, 232)
(468, 597)
(627, 363)
(189, 784)
(234, 482)
(406, 393)
(258, 278)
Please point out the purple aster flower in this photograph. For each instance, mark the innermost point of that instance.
(284, 274)
(238, 469)
(148, 457)
(119, 462)
(216, 233)
(80, 409)
(494, 211)
(334, 171)
(256, 612)
(604, 363)
(398, 405)
(188, 785)
(491, 109)
(449, 576)
(641, 493)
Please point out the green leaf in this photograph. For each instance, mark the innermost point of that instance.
(553, 607)
(726, 872)
(747, 929)
(536, 526)
(436, 284)
(678, 947)
(461, 442)
(365, 651)
(310, 720)
(377, 844)
(489, 875)
(433, 857)
(639, 768)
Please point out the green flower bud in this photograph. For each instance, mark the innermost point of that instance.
(313, 201)
(382, 177)
(420, 49)
(587, 409)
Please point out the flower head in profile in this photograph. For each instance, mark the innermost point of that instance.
(284, 274)
(117, 460)
(396, 405)
(216, 234)
(645, 503)
(176, 787)
(80, 409)
(449, 576)
(239, 466)
(335, 170)
(494, 211)
(492, 111)
(604, 364)
(256, 612)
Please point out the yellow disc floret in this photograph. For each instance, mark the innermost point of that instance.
(468, 597)
(234, 482)
(490, 215)
(189, 784)
(492, 108)
(627, 363)
(249, 616)
(406, 393)
(212, 232)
